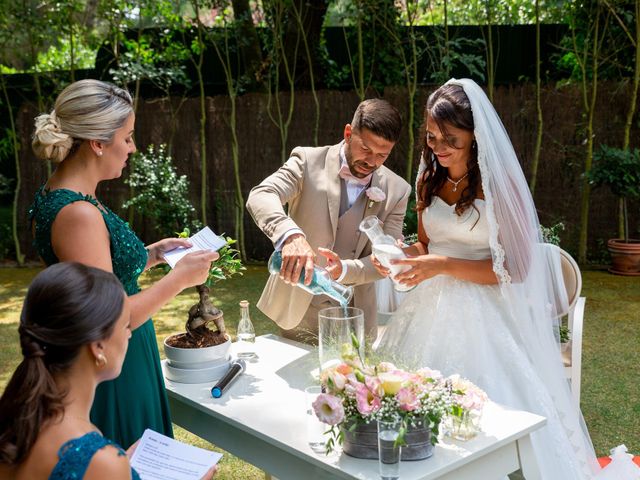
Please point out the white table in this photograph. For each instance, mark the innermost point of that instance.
(261, 419)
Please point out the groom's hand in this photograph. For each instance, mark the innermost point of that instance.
(334, 265)
(296, 255)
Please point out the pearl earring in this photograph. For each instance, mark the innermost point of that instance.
(100, 153)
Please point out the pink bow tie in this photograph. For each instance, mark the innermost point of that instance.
(346, 175)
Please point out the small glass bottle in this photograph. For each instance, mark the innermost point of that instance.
(246, 335)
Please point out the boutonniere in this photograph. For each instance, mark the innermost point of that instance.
(375, 195)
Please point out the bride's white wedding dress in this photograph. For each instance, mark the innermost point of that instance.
(461, 327)
(500, 336)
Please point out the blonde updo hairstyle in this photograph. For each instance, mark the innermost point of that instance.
(85, 110)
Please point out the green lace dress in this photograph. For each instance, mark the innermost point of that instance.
(123, 408)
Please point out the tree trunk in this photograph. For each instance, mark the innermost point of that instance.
(250, 50)
(310, 68)
(203, 112)
(90, 12)
(490, 53)
(285, 61)
(623, 231)
(538, 147)
(304, 21)
(589, 108)
(232, 91)
(16, 158)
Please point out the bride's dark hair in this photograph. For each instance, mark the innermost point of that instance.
(447, 105)
(68, 306)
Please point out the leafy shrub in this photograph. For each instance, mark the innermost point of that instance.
(159, 192)
(619, 170)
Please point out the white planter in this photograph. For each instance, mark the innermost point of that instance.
(196, 365)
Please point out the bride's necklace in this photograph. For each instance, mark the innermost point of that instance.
(456, 182)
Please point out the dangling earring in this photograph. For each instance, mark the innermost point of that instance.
(101, 361)
(474, 145)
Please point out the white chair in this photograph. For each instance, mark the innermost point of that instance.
(572, 356)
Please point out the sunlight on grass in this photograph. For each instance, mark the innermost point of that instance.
(610, 389)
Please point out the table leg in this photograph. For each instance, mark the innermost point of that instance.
(527, 457)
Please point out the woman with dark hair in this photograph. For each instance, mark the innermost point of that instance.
(487, 290)
(89, 135)
(74, 331)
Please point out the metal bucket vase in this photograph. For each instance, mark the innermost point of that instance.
(362, 442)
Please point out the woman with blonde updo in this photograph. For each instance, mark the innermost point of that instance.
(89, 134)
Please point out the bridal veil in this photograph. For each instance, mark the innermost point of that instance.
(528, 272)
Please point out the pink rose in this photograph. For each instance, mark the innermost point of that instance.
(328, 409)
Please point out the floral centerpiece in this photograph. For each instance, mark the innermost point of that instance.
(357, 395)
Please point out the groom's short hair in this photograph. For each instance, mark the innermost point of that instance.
(379, 117)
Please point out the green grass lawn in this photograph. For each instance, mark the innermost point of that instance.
(610, 387)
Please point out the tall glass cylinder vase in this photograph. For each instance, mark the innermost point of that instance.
(337, 328)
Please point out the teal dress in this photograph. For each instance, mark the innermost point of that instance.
(75, 456)
(123, 408)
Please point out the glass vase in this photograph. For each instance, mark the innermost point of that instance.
(337, 328)
(464, 426)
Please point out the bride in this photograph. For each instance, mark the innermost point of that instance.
(486, 287)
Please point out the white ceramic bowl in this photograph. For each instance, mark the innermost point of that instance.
(196, 375)
(196, 358)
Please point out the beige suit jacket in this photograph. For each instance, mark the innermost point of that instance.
(309, 183)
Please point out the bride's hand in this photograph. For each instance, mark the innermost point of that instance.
(378, 266)
(334, 264)
(422, 268)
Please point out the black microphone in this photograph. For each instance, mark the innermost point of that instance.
(235, 369)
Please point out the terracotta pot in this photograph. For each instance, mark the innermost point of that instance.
(363, 442)
(625, 257)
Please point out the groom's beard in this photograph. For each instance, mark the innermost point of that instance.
(359, 163)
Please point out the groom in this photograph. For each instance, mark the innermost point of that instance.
(329, 190)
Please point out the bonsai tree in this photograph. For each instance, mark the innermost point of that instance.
(162, 196)
(205, 314)
(619, 170)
